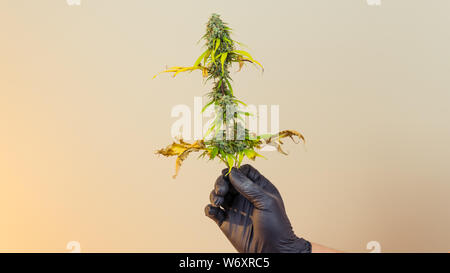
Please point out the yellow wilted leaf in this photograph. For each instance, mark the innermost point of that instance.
(213, 53)
(215, 63)
(179, 69)
(184, 69)
(222, 60)
(204, 55)
(249, 57)
(250, 154)
(181, 150)
(172, 69)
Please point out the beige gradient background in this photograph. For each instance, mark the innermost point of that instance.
(80, 119)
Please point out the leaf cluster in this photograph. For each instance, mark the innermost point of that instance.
(215, 63)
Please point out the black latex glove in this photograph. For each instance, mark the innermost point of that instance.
(250, 212)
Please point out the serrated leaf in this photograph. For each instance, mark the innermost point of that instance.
(217, 44)
(229, 85)
(230, 161)
(249, 57)
(207, 105)
(213, 53)
(206, 57)
(184, 69)
(222, 61)
(199, 59)
(240, 158)
(223, 156)
(215, 148)
(214, 152)
(210, 129)
(227, 40)
(250, 154)
(181, 150)
(172, 69)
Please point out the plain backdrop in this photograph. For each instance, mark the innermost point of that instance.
(81, 117)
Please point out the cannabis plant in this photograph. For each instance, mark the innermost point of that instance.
(227, 138)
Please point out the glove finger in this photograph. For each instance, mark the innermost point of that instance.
(246, 187)
(221, 186)
(216, 200)
(250, 172)
(226, 177)
(215, 213)
(258, 178)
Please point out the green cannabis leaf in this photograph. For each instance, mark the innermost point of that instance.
(227, 139)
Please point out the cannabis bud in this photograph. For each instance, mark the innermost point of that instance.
(227, 138)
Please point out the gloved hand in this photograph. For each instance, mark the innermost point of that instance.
(249, 210)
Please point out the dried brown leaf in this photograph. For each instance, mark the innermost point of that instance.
(275, 140)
